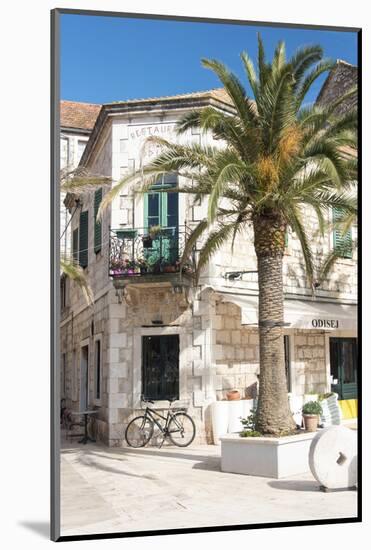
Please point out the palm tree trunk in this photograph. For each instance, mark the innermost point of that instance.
(273, 413)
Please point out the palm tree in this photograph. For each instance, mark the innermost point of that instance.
(277, 158)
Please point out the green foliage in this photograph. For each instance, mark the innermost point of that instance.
(249, 425)
(74, 271)
(312, 407)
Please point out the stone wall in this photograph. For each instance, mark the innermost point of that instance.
(82, 329)
(341, 79)
(310, 362)
(126, 323)
(236, 352)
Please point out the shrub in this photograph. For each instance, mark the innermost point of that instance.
(312, 407)
(249, 424)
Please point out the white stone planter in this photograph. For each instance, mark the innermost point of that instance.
(226, 416)
(274, 457)
(219, 419)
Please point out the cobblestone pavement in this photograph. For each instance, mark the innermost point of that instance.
(108, 489)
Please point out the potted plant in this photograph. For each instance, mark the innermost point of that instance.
(233, 395)
(154, 231)
(147, 241)
(311, 412)
(169, 268)
(142, 266)
(117, 267)
(130, 267)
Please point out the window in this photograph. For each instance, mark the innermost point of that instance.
(63, 374)
(80, 149)
(74, 376)
(286, 341)
(84, 239)
(98, 370)
(97, 225)
(342, 241)
(162, 209)
(160, 367)
(64, 152)
(63, 292)
(75, 245)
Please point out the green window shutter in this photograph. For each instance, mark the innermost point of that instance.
(342, 241)
(97, 225)
(84, 238)
(75, 245)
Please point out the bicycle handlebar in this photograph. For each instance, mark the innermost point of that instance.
(145, 400)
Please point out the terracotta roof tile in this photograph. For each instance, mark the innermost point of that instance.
(78, 115)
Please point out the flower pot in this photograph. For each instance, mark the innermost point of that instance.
(310, 422)
(147, 241)
(233, 395)
(169, 269)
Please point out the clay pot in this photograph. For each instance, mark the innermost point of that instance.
(233, 395)
(310, 422)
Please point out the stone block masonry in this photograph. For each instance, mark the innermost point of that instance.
(236, 353)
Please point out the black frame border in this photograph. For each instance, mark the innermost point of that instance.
(55, 291)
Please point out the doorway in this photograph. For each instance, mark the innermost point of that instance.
(84, 378)
(343, 365)
(160, 367)
(286, 342)
(161, 210)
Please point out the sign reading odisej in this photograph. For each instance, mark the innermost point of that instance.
(325, 323)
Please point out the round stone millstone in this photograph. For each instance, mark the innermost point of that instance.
(333, 457)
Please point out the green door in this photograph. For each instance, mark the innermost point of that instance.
(162, 209)
(343, 362)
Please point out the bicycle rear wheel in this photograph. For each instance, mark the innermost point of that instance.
(182, 429)
(139, 431)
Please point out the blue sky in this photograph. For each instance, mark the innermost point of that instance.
(106, 59)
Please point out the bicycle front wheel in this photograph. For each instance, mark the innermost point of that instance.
(139, 431)
(182, 429)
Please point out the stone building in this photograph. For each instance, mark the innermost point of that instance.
(151, 331)
(77, 122)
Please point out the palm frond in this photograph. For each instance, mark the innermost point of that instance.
(236, 92)
(302, 60)
(214, 241)
(250, 73)
(196, 234)
(322, 67)
(294, 218)
(81, 180)
(74, 271)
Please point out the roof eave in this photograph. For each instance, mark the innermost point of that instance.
(142, 107)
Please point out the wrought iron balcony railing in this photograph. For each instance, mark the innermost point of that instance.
(137, 252)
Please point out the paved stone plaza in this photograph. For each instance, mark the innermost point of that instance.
(110, 489)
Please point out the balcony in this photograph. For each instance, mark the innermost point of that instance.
(139, 256)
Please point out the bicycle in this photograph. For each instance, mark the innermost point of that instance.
(179, 427)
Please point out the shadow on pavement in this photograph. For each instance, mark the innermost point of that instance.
(295, 485)
(162, 453)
